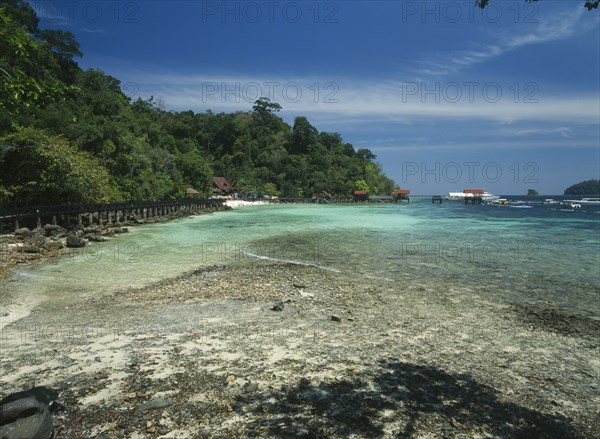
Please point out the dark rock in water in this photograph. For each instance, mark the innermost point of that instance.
(158, 403)
(74, 241)
(335, 318)
(108, 232)
(26, 414)
(277, 306)
(23, 232)
(31, 249)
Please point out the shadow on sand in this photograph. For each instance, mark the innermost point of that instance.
(418, 399)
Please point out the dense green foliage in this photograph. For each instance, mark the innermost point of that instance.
(361, 185)
(69, 135)
(588, 187)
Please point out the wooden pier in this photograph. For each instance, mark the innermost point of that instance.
(102, 214)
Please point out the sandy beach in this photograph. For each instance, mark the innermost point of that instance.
(236, 204)
(205, 355)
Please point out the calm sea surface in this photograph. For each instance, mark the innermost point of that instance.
(501, 253)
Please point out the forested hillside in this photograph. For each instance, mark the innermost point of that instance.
(588, 187)
(69, 135)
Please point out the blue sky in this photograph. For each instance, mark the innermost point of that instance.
(446, 95)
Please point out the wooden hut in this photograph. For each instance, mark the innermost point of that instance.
(401, 195)
(192, 193)
(221, 186)
(475, 196)
(359, 195)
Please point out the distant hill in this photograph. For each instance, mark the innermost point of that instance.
(588, 187)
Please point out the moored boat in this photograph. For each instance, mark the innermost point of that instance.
(462, 196)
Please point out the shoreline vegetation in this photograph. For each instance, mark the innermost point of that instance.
(72, 134)
(281, 350)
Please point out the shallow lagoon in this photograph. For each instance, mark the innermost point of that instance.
(542, 254)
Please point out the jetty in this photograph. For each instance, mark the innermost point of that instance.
(102, 214)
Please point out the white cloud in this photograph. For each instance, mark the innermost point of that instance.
(563, 131)
(552, 27)
(478, 146)
(93, 31)
(404, 103)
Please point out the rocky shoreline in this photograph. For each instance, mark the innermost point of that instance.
(279, 350)
(26, 246)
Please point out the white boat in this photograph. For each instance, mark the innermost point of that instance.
(573, 204)
(576, 204)
(461, 196)
(550, 201)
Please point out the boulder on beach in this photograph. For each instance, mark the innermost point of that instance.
(37, 240)
(27, 414)
(54, 245)
(54, 230)
(95, 237)
(74, 241)
(23, 232)
(92, 229)
(278, 306)
(154, 404)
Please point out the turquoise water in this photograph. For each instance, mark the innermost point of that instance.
(500, 253)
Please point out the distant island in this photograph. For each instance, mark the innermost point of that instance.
(532, 193)
(588, 187)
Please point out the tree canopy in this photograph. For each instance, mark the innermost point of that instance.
(588, 187)
(114, 148)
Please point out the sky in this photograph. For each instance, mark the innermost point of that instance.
(446, 95)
